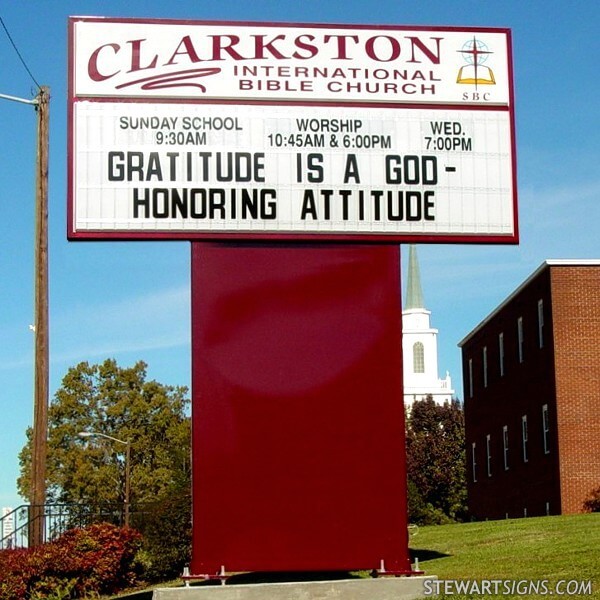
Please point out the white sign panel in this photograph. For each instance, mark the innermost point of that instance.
(151, 167)
(337, 132)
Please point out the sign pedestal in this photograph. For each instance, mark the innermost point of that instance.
(298, 417)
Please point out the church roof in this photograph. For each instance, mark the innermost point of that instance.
(547, 264)
(414, 292)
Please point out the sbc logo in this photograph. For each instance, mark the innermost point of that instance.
(476, 96)
(474, 72)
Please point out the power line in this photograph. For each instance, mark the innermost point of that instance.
(18, 53)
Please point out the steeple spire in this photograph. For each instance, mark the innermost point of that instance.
(414, 293)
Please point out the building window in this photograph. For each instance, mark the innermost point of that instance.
(470, 378)
(546, 428)
(505, 446)
(474, 462)
(520, 337)
(541, 323)
(488, 451)
(418, 358)
(501, 353)
(524, 436)
(485, 367)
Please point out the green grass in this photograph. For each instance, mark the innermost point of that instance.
(533, 549)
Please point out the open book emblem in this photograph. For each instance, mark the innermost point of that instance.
(475, 53)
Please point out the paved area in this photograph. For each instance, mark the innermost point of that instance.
(384, 588)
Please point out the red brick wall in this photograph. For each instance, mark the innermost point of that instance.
(576, 308)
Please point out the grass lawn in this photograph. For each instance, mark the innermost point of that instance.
(533, 549)
(551, 549)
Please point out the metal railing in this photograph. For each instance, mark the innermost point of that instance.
(57, 518)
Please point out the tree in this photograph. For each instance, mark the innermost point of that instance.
(119, 402)
(435, 456)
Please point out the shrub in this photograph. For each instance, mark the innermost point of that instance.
(167, 538)
(95, 560)
(592, 504)
(13, 574)
(421, 512)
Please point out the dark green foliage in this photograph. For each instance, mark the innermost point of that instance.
(83, 562)
(421, 512)
(168, 537)
(435, 457)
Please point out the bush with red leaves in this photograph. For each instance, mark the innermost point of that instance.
(99, 559)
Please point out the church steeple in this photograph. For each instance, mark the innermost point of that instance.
(419, 343)
(414, 293)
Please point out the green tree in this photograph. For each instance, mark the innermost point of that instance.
(435, 457)
(119, 402)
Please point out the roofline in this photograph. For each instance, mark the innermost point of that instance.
(553, 262)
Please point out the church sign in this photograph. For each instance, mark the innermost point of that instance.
(207, 131)
(218, 130)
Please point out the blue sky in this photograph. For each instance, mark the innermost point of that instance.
(130, 300)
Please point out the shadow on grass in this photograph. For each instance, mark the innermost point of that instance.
(283, 577)
(145, 595)
(423, 554)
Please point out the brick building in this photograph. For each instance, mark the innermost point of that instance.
(531, 373)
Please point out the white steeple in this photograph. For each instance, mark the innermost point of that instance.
(419, 343)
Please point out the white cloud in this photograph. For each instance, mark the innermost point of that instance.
(139, 323)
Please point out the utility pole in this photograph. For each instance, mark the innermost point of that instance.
(127, 483)
(41, 377)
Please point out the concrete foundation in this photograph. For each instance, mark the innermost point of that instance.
(385, 588)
